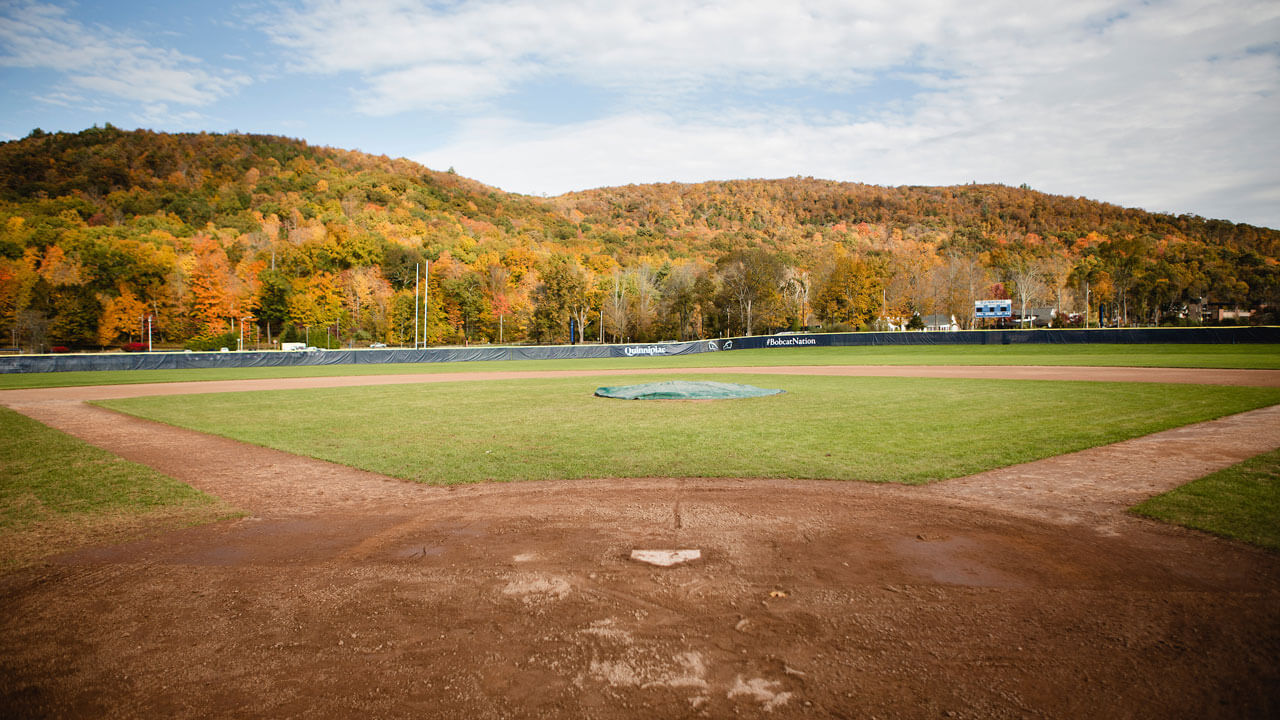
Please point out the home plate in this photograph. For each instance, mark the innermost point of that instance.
(665, 558)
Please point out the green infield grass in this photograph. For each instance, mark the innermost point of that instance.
(59, 493)
(1240, 502)
(903, 430)
(1189, 356)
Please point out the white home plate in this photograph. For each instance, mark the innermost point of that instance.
(665, 558)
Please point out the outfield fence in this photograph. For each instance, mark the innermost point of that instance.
(1111, 336)
(276, 358)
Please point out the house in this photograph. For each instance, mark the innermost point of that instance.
(1213, 313)
(939, 322)
(1040, 317)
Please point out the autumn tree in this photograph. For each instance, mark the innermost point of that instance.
(271, 305)
(209, 283)
(122, 316)
(751, 279)
(1025, 272)
(497, 287)
(617, 305)
(1123, 259)
(679, 295)
(911, 263)
(644, 295)
(849, 292)
(464, 295)
(796, 288)
(316, 303)
(561, 287)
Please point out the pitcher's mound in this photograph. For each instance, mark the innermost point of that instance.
(684, 390)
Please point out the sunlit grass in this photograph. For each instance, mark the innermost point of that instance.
(57, 492)
(872, 429)
(1240, 502)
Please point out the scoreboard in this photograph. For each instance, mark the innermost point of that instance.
(993, 308)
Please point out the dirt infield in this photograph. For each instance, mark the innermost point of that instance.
(1019, 592)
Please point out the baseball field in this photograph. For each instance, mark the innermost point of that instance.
(903, 532)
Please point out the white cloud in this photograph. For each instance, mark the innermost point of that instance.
(435, 86)
(1197, 164)
(104, 61)
(1169, 106)
(661, 47)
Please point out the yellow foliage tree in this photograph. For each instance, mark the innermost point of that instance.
(209, 283)
(121, 316)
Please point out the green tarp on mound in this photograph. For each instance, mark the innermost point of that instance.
(684, 390)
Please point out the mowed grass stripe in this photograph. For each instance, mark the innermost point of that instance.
(902, 430)
(1264, 357)
(1241, 502)
(58, 492)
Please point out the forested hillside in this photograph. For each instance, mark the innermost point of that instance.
(203, 233)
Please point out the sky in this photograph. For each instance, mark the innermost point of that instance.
(1168, 105)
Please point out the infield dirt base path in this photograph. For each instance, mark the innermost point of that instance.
(1020, 592)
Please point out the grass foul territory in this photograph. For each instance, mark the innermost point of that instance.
(1264, 357)
(1241, 502)
(59, 493)
(873, 429)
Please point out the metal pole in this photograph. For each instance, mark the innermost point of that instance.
(426, 288)
(149, 320)
(415, 306)
(1086, 304)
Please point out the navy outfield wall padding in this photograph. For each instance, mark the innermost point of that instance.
(1136, 336)
(275, 358)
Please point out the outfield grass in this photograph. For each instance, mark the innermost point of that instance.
(1240, 502)
(59, 492)
(1189, 356)
(874, 429)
